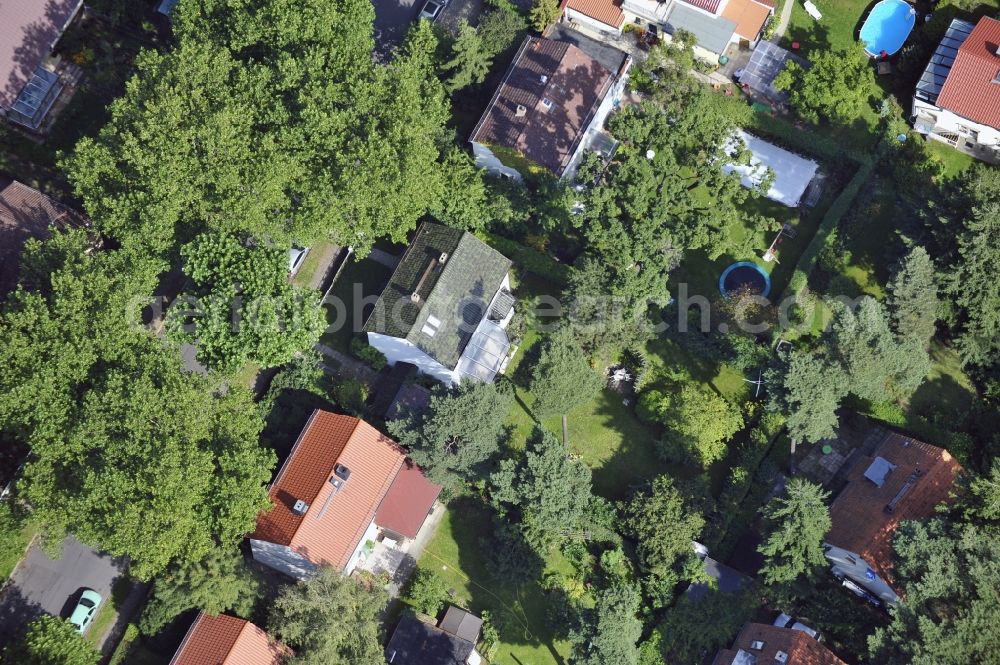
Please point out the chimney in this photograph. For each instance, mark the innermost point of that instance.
(521, 111)
(443, 257)
(300, 507)
(414, 297)
(543, 78)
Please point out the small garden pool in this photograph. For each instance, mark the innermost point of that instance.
(888, 25)
(745, 275)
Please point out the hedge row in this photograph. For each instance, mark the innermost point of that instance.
(831, 219)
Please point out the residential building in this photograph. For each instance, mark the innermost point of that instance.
(226, 640)
(30, 78)
(903, 479)
(550, 106)
(26, 213)
(715, 23)
(957, 100)
(760, 644)
(451, 642)
(344, 488)
(446, 307)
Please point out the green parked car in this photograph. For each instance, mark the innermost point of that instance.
(85, 610)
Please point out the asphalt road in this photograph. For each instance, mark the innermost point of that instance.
(41, 585)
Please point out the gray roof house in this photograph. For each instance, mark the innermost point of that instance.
(451, 642)
(446, 307)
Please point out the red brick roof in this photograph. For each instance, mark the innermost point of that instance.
(28, 31)
(407, 502)
(800, 647)
(558, 88)
(969, 90)
(860, 521)
(335, 520)
(25, 213)
(708, 5)
(608, 12)
(226, 640)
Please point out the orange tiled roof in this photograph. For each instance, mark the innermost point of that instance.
(970, 90)
(860, 521)
(800, 647)
(333, 526)
(608, 12)
(748, 15)
(226, 640)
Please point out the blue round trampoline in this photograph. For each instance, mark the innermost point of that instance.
(745, 275)
(888, 25)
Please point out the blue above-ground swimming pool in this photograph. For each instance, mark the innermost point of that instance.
(745, 274)
(888, 25)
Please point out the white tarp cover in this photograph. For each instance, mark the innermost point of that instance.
(792, 174)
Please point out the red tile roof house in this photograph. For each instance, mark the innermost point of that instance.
(29, 83)
(760, 644)
(903, 479)
(957, 100)
(344, 487)
(26, 213)
(715, 23)
(550, 106)
(226, 640)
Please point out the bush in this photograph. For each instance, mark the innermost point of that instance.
(427, 592)
(351, 395)
(363, 351)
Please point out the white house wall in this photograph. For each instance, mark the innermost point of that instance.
(398, 349)
(282, 558)
(370, 534)
(485, 159)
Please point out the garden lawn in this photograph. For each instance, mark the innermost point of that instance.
(352, 298)
(521, 612)
(952, 161)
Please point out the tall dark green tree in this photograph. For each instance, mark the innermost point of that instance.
(218, 583)
(330, 619)
(550, 490)
(611, 630)
(461, 429)
(470, 61)
(663, 525)
(797, 523)
(913, 296)
(562, 378)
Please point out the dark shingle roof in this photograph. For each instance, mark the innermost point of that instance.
(454, 295)
(418, 643)
(462, 624)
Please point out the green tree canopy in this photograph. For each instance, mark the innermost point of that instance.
(129, 452)
(797, 523)
(544, 13)
(461, 429)
(700, 422)
(330, 619)
(663, 525)
(837, 86)
(217, 583)
(913, 296)
(693, 630)
(243, 308)
(51, 641)
(950, 574)
(562, 378)
(809, 388)
(470, 61)
(550, 489)
(611, 630)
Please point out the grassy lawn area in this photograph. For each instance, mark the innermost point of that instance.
(456, 555)
(947, 387)
(311, 263)
(352, 299)
(16, 550)
(952, 161)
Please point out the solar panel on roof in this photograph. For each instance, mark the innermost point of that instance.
(939, 65)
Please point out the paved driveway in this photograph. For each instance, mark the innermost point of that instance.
(392, 19)
(41, 585)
